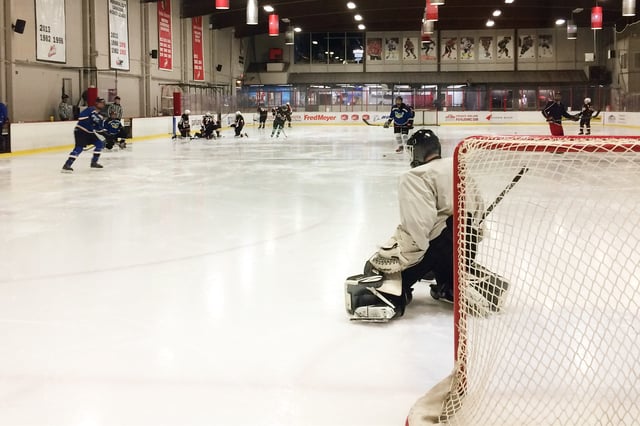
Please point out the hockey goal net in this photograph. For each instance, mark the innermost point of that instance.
(557, 261)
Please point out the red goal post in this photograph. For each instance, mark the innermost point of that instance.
(547, 281)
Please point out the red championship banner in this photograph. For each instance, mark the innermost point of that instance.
(165, 39)
(196, 44)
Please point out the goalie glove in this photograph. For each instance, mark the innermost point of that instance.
(388, 259)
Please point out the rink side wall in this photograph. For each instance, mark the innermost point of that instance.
(44, 136)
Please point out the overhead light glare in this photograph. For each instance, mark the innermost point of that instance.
(268, 8)
(358, 17)
(560, 21)
(361, 27)
(351, 5)
(508, 1)
(497, 13)
(297, 29)
(490, 23)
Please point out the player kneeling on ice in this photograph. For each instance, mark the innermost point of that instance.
(114, 132)
(238, 125)
(422, 243)
(207, 127)
(184, 125)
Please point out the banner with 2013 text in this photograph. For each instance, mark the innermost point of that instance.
(118, 35)
(50, 31)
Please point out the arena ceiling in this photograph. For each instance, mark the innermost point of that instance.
(402, 15)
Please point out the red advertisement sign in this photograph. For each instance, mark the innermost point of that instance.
(196, 44)
(165, 39)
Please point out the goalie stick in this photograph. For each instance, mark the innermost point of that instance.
(504, 192)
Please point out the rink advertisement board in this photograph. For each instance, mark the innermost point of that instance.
(118, 35)
(196, 45)
(50, 31)
(165, 38)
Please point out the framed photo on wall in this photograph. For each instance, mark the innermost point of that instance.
(392, 49)
(504, 44)
(527, 46)
(449, 49)
(486, 49)
(428, 50)
(410, 49)
(545, 46)
(467, 48)
(374, 49)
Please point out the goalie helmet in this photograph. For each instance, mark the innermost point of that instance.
(587, 101)
(423, 143)
(186, 111)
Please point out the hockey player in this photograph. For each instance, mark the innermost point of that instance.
(402, 117)
(238, 125)
(586, 115)
(279, 118)
(90, 122)
(113, 130)
(262, 114)
(422, 243)
(207, 127)
(184, 125)
(553, 112)
(287, 110)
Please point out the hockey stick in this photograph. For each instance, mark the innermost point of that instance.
(504, 192)
(371, 124)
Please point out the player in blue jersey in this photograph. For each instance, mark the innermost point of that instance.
(113, 131)
(402, 117)
(90, 123)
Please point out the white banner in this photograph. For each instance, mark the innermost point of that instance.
(118, 35)
(50, 31)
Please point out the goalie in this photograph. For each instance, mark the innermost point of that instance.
(422, 243)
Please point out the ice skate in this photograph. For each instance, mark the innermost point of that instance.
(66, 169)
(96, 166)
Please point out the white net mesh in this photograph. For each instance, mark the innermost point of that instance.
(560, 345)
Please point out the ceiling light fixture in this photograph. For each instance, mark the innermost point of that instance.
(351, 5)
(358, 17)
(268, 8)
(222, 4)
(508, 1)
(572, 30)
(361, 27)
(274, 25)
(252, 12)
(628, 7)
(497, 13)
(596, 18)
(297, 29)
(437, 2)
(490, 23)
(560, 21)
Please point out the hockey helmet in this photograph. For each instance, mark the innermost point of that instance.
(423, 143)
(238, 113)
(186, 111)
(587, 101)
(208, 113)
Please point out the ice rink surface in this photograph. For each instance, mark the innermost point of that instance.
(201, 283)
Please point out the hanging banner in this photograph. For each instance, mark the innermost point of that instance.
(196, 45)
(50, 31)
(118, 35)
(165, 39)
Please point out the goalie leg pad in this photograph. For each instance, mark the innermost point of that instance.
(487, 285)
(364, 300)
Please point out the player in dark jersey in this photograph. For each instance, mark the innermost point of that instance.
(402, 117)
